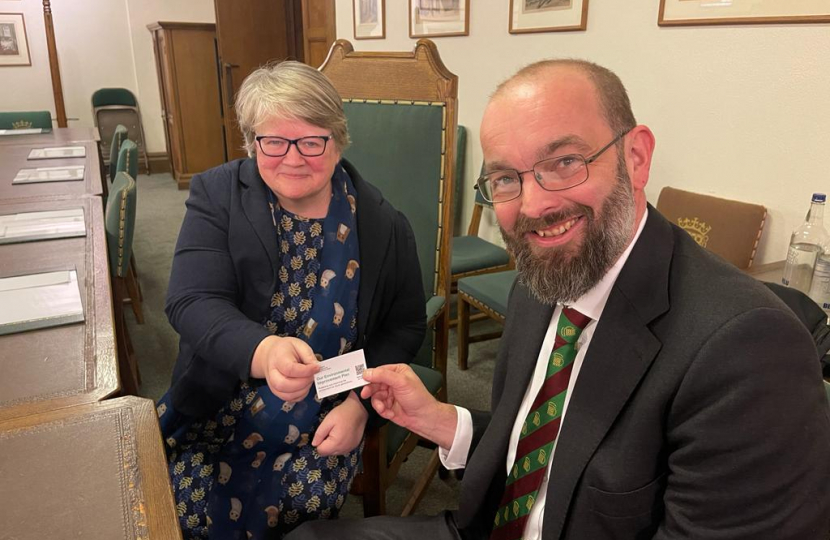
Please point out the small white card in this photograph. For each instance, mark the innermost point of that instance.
(57, 152)
(49, 174)
(340, 373)
(29, 226)
(30, 131)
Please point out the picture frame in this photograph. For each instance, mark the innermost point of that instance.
(439, 18)
(718, 12)
(530, 16)
(14, 44)
(369, 19)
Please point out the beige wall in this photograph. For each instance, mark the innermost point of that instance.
(101, 43)
(742, 112)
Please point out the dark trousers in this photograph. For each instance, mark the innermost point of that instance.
(440, 527)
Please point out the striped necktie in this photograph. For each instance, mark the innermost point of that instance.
(539, 431)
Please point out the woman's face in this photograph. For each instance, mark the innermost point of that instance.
(302, 184)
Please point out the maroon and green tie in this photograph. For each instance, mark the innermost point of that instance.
(539, 431)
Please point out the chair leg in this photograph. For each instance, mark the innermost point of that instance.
(419, 489)
(463, 333)
(372, 481)
(134, 268)
(133, 293)
(127, 365)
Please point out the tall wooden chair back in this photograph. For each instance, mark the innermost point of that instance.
(402, 115)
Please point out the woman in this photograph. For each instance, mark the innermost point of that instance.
(285, 258)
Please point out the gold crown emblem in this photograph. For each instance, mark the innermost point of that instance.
(568, 331)
(22, 124)
(697, 229)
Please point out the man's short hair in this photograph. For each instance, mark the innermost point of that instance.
(613, 98)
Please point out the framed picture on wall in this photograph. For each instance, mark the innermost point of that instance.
(438, 18)
(700, 12)
(528, 16)
(14, 46)
(369, 19)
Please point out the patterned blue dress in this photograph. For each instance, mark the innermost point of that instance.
(250, 472)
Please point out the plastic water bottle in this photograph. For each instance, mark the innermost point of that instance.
(820, 287)
(805, 247)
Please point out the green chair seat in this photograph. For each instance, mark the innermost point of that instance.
(490, 289)
(26, 120)
(396, 435)
(471, 253)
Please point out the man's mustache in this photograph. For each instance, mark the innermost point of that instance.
(526, 224)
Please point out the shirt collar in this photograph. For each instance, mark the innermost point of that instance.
(593, 302)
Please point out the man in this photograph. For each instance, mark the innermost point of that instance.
(644, 388)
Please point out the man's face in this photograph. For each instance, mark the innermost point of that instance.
(563, 241)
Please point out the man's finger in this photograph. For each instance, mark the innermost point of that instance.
(387, 375)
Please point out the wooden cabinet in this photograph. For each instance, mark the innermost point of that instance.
(190, 103)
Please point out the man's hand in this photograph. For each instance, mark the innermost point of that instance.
(399, 395)
(342, 429)
(287, 364)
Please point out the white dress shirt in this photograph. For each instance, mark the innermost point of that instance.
(590, 304)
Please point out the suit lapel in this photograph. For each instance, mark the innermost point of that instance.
(620, 353)
(255, 206)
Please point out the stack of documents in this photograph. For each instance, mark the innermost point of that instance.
(33, 131)
(28, 226)
(58, 152)
(39, 301)
(49, 174)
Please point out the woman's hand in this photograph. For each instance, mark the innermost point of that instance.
(287, 364)
(342, 429)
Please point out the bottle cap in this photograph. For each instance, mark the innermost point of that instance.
(819, 197)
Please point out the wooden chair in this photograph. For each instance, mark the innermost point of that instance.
(26, 120)
(128, 163)
(118, 138)
(488, 293)
(401, 109)
(119, 219)
(727, 228)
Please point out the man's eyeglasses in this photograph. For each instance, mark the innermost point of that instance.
(307, 146)
(552, 174)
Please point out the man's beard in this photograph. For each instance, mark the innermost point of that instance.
(556, 276)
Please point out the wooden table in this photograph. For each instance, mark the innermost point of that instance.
(57, 367)
(95, 471)
(15, 157)
(56, 137)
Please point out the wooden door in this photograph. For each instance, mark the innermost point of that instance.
(319, 30)
(250, 33)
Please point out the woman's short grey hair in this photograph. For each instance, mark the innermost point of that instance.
(289, 91)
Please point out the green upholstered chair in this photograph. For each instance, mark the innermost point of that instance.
(403, 141)
(26, 120)
(118, 137)
(128, 163)
(488, 293)
(119, 219)
(127, 159)
(112, 107)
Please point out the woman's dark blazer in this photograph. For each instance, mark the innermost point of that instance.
(224, 274)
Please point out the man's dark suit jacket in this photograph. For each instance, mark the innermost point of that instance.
(225, 270)
(699, 410)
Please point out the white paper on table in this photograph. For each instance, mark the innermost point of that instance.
(340, 373)
(49, 174)
(31, 131)
(57, 152)
(39, 301)
(29, 226)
